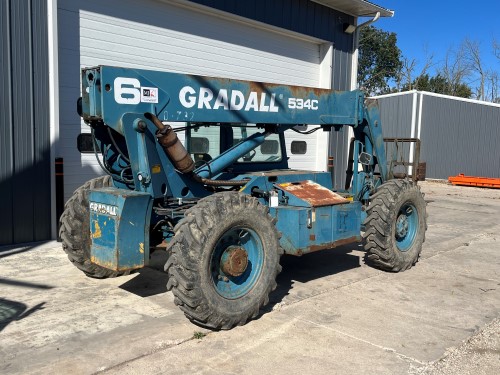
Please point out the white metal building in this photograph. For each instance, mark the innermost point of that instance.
(458, 135)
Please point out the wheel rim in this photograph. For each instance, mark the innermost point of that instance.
(406, 226)
(236, 262)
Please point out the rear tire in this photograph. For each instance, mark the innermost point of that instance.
(75, 230)
(224, 260)
(395, 226)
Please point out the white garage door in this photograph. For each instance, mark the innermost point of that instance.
(159, 35)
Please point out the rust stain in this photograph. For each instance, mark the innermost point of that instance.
(98, 261)
(264, 87)
(313, 193)
(330, 245)
(282, 172)
(97, 232)
(236, 263)
(156, 169)
(297, 91)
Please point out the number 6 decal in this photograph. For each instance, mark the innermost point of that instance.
(132, 92)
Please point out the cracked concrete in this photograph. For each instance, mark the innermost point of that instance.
(331, 313)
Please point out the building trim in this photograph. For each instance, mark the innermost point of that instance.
(54, 103)
(474, 101)
(357, 8)
(394, 94)
(420, 109)
(303, 17)
(412, 131)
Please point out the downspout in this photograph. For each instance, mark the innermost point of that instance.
(354, 69)
(354, 78)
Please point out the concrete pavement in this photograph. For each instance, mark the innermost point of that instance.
(330, 314)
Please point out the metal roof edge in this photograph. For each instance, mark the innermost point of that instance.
(428, 93)
(369, 8)
(394, 94)
(474, 101)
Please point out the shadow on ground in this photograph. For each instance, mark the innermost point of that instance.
(8, 250)
(11, 311)
(152, 280)
(311, 267)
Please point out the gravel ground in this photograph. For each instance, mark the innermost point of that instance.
(479, 355)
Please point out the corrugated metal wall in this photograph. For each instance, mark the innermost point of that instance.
(302, 16)
(458, 136)
(396, 115)
(341, 80)
(24, 122)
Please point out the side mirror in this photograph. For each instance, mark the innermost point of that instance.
(85, 143)
(365, 159)
(79, 107)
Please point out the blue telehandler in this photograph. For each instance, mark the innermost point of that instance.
(224, 203)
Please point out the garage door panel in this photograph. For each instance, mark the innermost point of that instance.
(237, 62)
(258, 40)
(155, 14)
(205, 54)
(132, 43)
(183, 64)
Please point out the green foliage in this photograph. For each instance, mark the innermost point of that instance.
(198, 335)
(379, 60)
(440, 85)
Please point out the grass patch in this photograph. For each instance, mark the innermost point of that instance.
(198, 335)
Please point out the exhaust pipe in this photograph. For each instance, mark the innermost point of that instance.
(180, 157)
(172, 145)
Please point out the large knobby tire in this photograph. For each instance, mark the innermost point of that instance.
(75, 230)
(224, 260)
(395, 225)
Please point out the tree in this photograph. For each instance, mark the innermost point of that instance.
(475, 61)
(440, 85)
(406, 80)
(455, 70)
(493, 86)
(379, 60)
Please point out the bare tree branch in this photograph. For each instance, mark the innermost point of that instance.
(496, 48)
(456, 68)
(473, 50)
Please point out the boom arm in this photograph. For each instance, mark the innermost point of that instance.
(113, 96)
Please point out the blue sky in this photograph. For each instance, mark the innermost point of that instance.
(437, 25)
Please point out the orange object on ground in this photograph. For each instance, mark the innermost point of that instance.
(487, 182)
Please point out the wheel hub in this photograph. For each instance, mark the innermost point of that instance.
(401, 226)
(234, 261)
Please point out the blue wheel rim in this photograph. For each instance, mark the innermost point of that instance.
(233, 287)
(406, 226)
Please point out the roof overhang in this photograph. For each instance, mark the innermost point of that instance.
(356, 8)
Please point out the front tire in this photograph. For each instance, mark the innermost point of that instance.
(75, 230)
(224, 260)
(395, 225)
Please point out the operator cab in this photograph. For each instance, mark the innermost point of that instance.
(205, 142)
